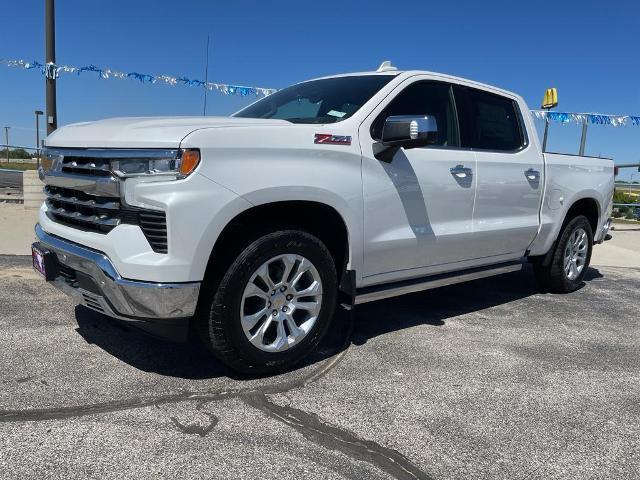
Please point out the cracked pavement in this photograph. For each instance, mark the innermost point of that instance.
(489, 379)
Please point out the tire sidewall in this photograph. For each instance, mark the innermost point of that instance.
(578, 222)
(232, 286)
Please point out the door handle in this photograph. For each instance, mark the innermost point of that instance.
(532, 174)
(461, 171)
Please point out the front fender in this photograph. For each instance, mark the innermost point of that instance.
(275, 163)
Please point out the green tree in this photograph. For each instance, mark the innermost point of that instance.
(18, 153)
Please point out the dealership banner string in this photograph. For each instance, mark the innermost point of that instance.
(589, 118)
(52, 70)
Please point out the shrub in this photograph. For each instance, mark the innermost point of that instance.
(621, 197)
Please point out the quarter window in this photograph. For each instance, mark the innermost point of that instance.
(488, 121)
(419, 99)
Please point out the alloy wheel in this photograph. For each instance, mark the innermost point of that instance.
(575, 253)
(281, 302)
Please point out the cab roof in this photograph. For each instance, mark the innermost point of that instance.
(387, 69)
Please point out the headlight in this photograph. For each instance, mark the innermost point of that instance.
(50, 161)
(176, 163)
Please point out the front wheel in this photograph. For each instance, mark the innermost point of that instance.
(273, 304)
(570, 260)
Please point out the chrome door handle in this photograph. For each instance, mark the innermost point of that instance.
(461, 171)
(532, 174)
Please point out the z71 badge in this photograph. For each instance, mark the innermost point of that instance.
(329, 139)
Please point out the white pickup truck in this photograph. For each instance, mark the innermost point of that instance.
(248, 230)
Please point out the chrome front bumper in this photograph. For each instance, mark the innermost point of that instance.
(91, 279)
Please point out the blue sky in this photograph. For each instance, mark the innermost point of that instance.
(588, 50)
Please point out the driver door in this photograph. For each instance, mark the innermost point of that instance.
(418, 206)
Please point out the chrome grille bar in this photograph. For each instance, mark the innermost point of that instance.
(115, 153)
(74, 200)
(87, 166)
(92, 219)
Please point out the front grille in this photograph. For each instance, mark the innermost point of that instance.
(77, 209)
(98, 167)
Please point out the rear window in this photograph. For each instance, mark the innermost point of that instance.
(488, 121)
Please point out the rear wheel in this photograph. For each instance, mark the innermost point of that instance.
(570, 259)
(273, 304)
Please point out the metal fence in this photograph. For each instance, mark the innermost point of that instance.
(5, 149)
(11, 178)
(629, 188)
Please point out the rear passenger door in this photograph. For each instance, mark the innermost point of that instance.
(509, 172)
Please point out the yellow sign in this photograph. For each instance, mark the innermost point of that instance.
(550, 99)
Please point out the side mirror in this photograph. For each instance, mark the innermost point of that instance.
(406, 131)
(410, 131)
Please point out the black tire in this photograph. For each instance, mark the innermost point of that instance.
(218, 318)
(552, 277)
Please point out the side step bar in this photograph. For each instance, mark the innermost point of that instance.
(380, 292)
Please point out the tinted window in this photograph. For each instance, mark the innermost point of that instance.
(419, 99)
(488, 121)
(319, 101)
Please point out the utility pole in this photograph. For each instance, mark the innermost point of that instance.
(38, 113)
(206, 79)
(583, 137)
(6, 140)
(50, 52)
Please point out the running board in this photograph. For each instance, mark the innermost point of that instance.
(380, 292)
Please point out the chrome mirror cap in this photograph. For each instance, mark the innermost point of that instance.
(410, 128)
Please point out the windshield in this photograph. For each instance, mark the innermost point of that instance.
(319, 101)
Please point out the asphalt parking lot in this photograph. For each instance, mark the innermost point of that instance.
(485, 380)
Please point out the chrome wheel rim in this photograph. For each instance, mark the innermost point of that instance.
(281, 302)
(575, 253)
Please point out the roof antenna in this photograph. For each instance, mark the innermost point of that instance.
(386, 67)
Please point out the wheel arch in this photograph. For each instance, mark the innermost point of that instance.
(587, 206)
(320, 219)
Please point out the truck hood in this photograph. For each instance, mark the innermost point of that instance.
(143, 132)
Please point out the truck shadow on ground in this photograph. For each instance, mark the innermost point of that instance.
(434, 307)
(191, 360)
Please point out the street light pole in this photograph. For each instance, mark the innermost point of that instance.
(50, 51)
(631, 182)
(38, 113)
(6, 140)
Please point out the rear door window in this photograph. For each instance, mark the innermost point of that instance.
(488, 121)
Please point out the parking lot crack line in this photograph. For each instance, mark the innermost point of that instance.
(59, 413)
(195, 428)
(336, 439)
